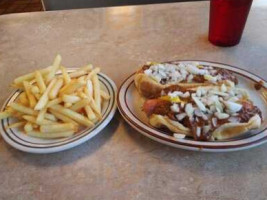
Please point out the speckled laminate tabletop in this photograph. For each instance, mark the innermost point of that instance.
(120, 163)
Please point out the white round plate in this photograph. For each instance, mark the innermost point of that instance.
(22, 142)
(130, 104)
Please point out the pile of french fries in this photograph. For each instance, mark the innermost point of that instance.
(55, 106)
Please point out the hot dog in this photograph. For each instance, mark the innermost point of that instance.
(204, 113)
(153, 77)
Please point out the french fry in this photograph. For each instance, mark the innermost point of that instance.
(92, 73)
(65, 86)
(70, 88)
(40, 81)
(23, 99)
(37, 96)
(16, 125)
(10, 110)
(104, 95)
(80, 104)
(50, 117)
(33, 120)
(28, 127)
(66, 76)
(96, 91)
(86, 94)
(54, 91)
(5, 114)
(54, 69)
(44, 98)
(38, 134)
(63, 117)
(35, 90)
(35, 126)
(70, 98)
(67, 105)
(73, 115)
(30, 119)
(18, 115)
(83, 95)
(41, 114)
(92, 103)
(31, 98)
(95, 109)
(89, 86)
(23, 109)
(30, 76)
(82, 79)
(77, 73)
(81, 89)
(82, 71)
(54, 102)
(58, 128)
(90, 113)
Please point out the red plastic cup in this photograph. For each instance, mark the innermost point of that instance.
(227, 21)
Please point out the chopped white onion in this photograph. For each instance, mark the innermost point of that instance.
(218, 106)
(210, 78)
(214, 121)
(223, 88)
(205, 117)
(198, 113)
(199, 92)
(204, 91)
(194, 70)
(148, 71)
(200, 105)
(233, 99)
(219, 93)
(221, 115)
(212, 108)
(185, 95)
(190, 78)
(212, 99)
(175, 108)
(232, 106)
(230, 83)
(189, 109)
(163, 74)
(180, 116)
(234, 119)
(198, 131)
(179, 135)
(175, 94)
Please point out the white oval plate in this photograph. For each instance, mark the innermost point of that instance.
(130, 103)
(22, 142)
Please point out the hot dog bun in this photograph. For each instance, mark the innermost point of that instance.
(226, 131)
(146, 86)
(230, 130)
(159, 121)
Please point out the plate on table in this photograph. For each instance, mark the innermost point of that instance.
(23, 142)
(130, 106)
